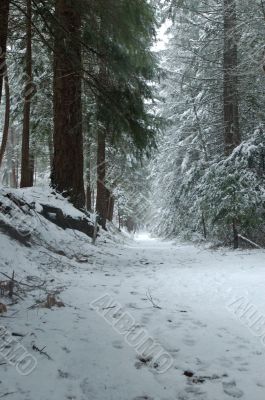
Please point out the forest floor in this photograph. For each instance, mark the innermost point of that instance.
(186, 298)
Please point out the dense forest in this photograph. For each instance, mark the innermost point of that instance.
(77, 79)
(172, 138)
(209, 174)
(132, 199)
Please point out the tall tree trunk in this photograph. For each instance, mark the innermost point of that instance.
(32, 165)
(6, 123)
(235, 235)
(101, 177)
(4, 14)
(50, 149)
(67, 174)
(107, 199)
(232, 137)
(231, 108)
(111, 208)
(14, 158)
(88, 197)
(26, 165)
(204, 227)
(109, 204)
(88, 177)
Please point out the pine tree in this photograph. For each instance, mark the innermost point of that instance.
(27, 164)
(214, 99)
(4, 16)
(124, 72)
(67, 174)
(232, 137)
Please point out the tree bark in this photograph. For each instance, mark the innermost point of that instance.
(26, 164)
(111, 208)
(6, 123)
(50, 148)
(204, 227)
(88, 177)
(232, 136)
(4, 15)
(88, 197)
(235, 235)
(101, 203)
(14, 157)
(67, 174)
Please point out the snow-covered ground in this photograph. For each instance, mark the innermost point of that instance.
(181, 295)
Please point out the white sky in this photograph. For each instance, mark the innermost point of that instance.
(162, 37)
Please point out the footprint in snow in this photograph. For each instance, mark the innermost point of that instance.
(196, 391)
(231, 390)
(189, 342)
(242, 340)
(87, 389)
(192, 393)
(145, 319)
(173, 351)
(199, 324)
(175, 325)
(243, 369)
(225, 362)
(117, 344)
(63, 374)
(133, 305)
(66, 349)
(143, 398)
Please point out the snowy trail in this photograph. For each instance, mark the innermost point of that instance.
(191, 285)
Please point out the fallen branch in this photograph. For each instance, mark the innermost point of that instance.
(7, 394)
(24, 284)
(150, 298)
(11, 285)
(17, 334)
(249, 242)
(35, 348)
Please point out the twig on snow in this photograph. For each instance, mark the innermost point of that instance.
(22, 283)
(150, 298)
(41, 351)
(7, 394)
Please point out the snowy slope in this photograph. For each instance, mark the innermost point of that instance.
(177, 292)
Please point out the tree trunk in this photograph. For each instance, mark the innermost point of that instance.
(32, 166)
(12, 159)
(4, 14)
(101, 176)
(50, 149)
(111, 208)
(88, 197)
(26, 165)
(67, 174)
(235, 235)
(231, 104)
(6, 123)
(13, 140)
(204, 227)
(88, 177)
(109, 204)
